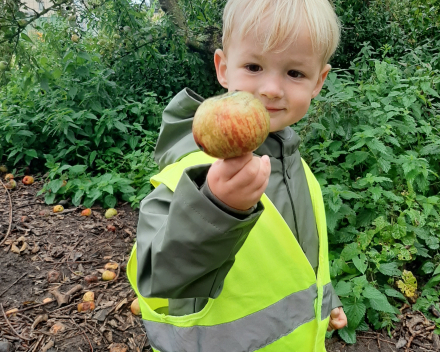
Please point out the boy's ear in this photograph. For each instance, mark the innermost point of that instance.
(221, 67)
(321, 79)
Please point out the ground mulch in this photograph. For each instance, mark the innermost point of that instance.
(46, 255)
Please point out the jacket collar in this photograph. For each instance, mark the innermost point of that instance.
(281, 143)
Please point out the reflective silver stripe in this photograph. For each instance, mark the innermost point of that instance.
(247, 334)
(327, 301)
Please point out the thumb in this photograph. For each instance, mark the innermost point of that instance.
(335, 313)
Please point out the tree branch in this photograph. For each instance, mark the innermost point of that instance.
(172, 8)
(55, 5)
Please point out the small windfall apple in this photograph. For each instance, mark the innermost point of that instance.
(28, 180)
(230, 125)
(58, 208)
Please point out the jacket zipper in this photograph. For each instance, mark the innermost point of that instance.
(287, 184)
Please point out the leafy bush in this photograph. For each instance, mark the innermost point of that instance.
(392, 25)
(373, 141)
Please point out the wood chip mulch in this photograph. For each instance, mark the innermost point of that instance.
(48, 262)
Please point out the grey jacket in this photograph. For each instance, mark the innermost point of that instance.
(187, 240)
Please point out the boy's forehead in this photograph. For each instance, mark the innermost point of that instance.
(258, 36)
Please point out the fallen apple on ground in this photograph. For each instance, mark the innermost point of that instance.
(108, 275)
(90, 279)
(3, 168)
(86, 306)
(89, 296)
(11, 184)
(135, 308)
(230, 125)
(58, 208)
(28, 180)
(9, 177)
(109, 213)
(86, 212)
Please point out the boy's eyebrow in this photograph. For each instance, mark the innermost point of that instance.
(292, 62)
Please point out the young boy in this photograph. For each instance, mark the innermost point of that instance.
(239, 270)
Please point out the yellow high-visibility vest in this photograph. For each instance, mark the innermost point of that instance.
(271, 300)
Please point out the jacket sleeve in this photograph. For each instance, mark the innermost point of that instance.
(186, 244)
(335, 301)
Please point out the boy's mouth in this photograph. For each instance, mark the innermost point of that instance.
(272, 110)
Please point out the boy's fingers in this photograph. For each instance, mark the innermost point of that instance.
(228, 168)
(250, 176)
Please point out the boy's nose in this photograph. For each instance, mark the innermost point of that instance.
(271, 88)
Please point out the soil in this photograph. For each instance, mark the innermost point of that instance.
(43, 252)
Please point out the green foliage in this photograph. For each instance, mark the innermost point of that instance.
(373, 141)
(96, 99)
(82, 96)
(390, 26)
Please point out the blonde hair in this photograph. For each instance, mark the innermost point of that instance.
(285, 18)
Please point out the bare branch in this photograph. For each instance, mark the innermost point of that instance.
(21, 28)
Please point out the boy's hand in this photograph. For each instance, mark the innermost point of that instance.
(338, 319)
(239, 182)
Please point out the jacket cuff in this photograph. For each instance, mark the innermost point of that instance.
(336, 302)
(239, 214)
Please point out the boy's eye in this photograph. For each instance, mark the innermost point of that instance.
(253, 68)
(295, 74)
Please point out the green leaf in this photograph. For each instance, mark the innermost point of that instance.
(378, 300)
(114, 150)
(126, 189)
(84, 55)
(382, 305)
(77, 169)
(108, 189)
(55, 185)
(120, 126)
(31, 152)
(363, 326)
(355, 312)
(390, 292)
(343, 288)
(427, 267)
(348, 335)
(92, 157)
(436, 271)
(76, 200)
(434, 281)
(389, 269)
(350, 251)
(376, 193)
(110, 201)
(26, 37)
(49, 198)
(72, 92)
(361, 262)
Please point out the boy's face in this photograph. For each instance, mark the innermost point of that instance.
(285, 82)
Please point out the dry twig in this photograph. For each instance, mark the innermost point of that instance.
(1, 294)
(11, 327)
(10, 213)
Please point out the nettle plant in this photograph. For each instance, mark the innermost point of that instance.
(125, 178)
(372, 139)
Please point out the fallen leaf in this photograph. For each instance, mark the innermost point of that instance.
(118, 347)
(14, 249)
(111, 266)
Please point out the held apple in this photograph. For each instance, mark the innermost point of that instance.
(230, 125)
